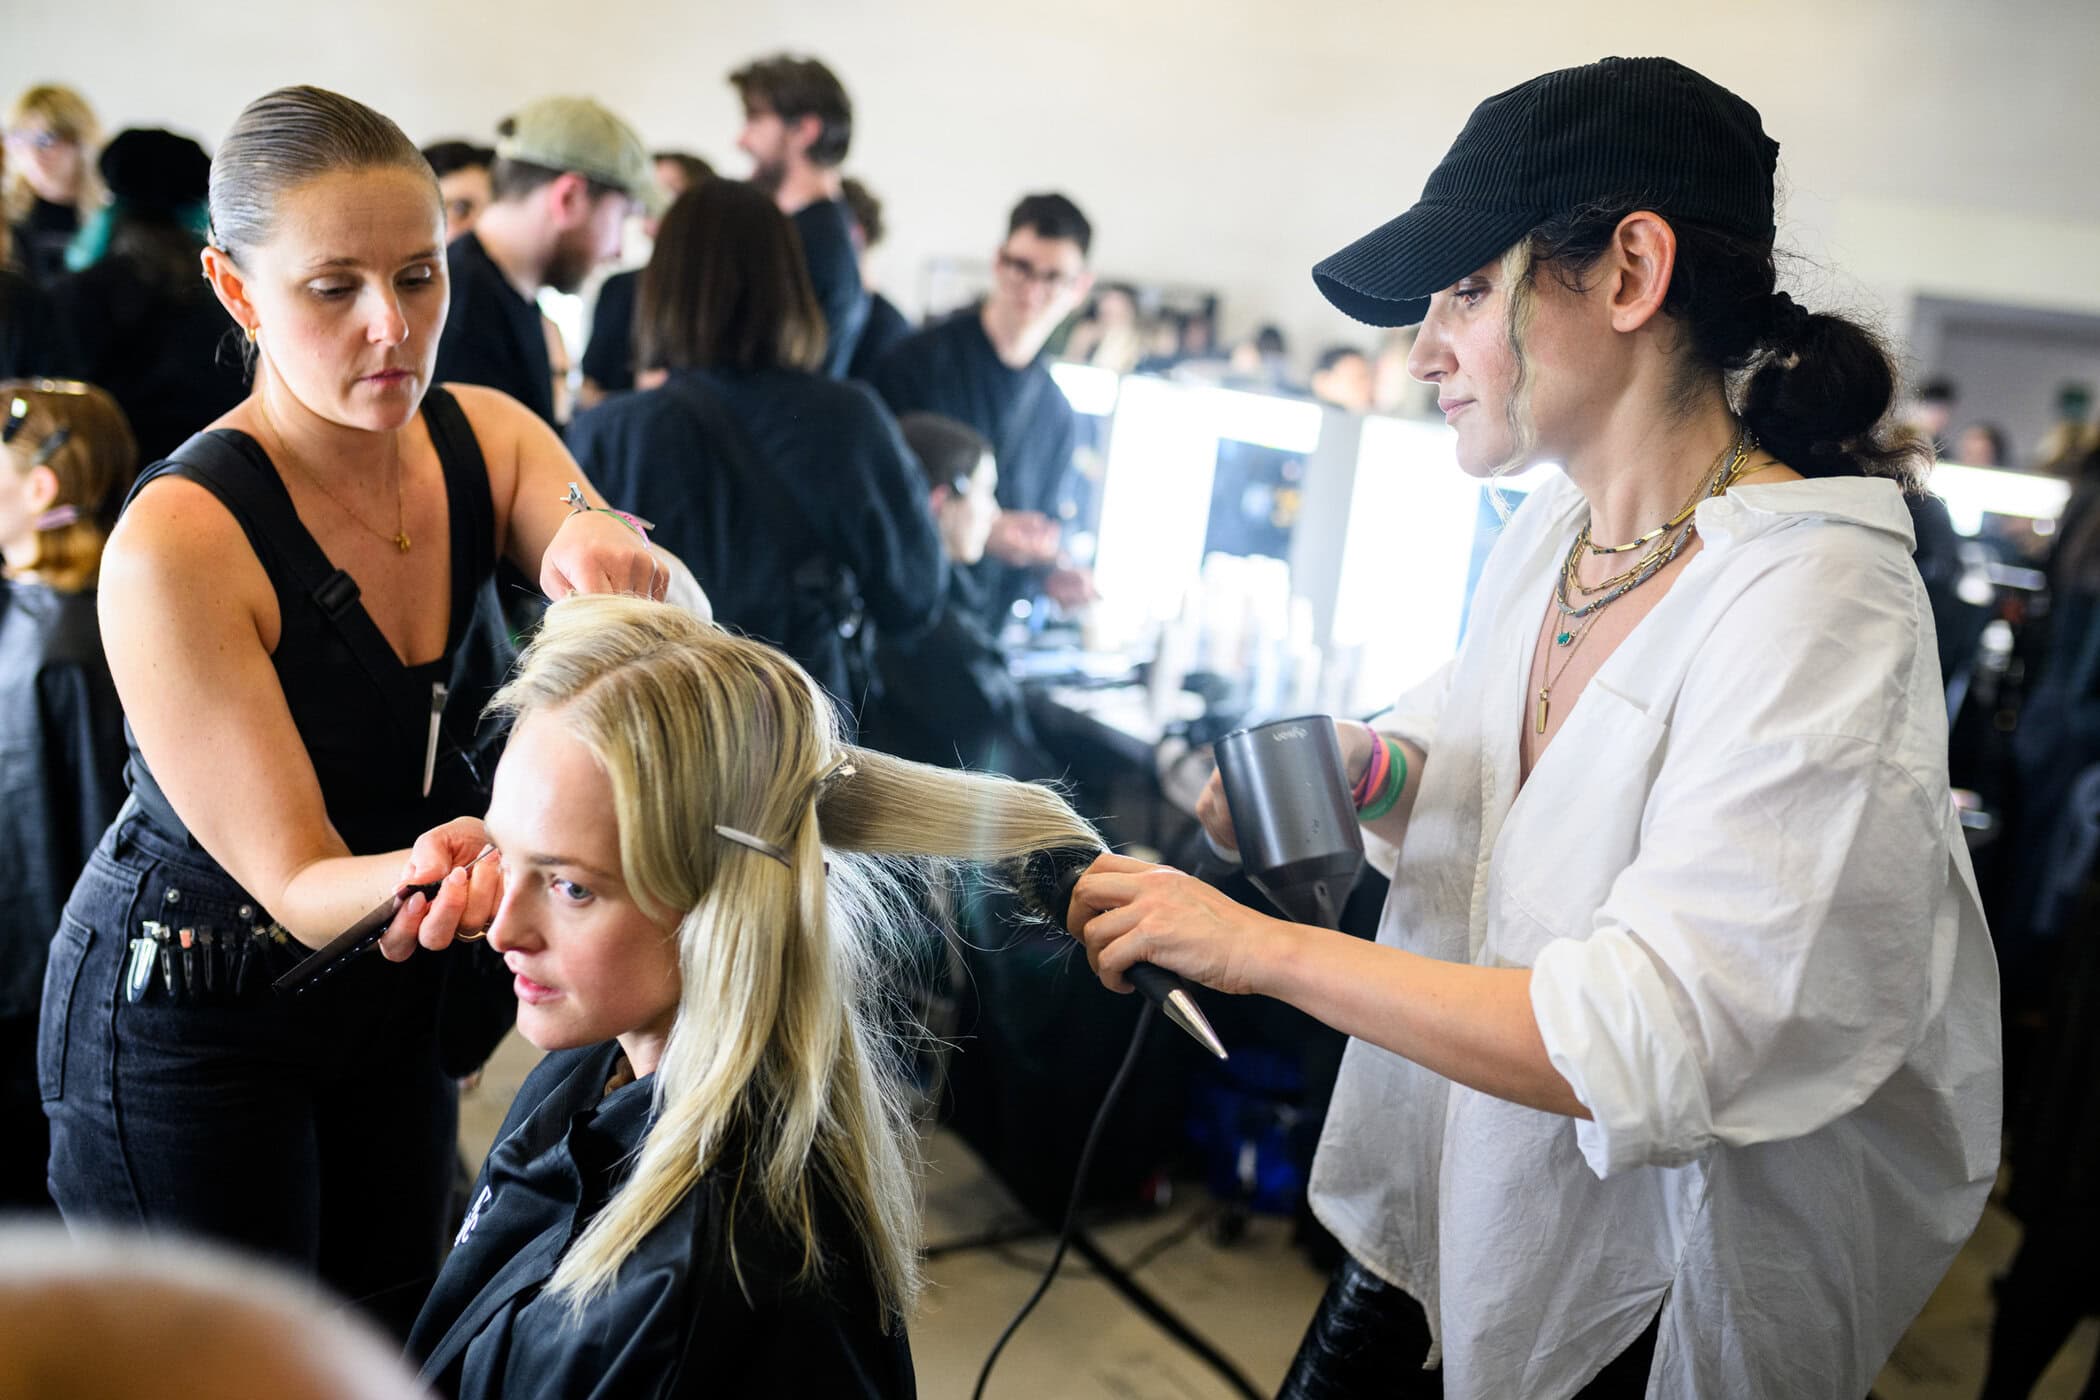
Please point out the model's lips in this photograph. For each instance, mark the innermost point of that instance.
(1452, 406)
(388, 377)
(533, 993)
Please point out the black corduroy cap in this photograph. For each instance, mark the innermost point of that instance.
(1649, 129)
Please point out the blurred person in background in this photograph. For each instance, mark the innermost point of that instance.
(99, 1315)
(985, 366)
(66, 460)
(793, 493)
(1116, 332)
(1982, 445)
(33, 341)
(462, 170)
(146, 327)
(608, 356)
(887, 327)
(798, 126)
(947, 695)
(52, 135)
(567, 173)
(1262, 360)
(1931, 411)
(1342, 377)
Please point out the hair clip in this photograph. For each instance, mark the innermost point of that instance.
(57, 518)
(17, 414)
(753, 843)
(48, 448)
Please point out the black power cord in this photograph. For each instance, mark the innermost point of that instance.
(1086, 1162)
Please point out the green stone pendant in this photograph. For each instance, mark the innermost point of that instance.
(1563, 639)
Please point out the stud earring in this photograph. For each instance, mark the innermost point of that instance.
(253, 332)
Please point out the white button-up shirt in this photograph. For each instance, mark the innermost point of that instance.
(1757, 955)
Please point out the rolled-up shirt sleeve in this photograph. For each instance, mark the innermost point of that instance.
(1762, 967)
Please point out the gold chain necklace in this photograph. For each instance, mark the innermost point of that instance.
(1735, 455)
(1666, 547)
(399, 539)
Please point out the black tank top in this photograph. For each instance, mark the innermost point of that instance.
(367, 721)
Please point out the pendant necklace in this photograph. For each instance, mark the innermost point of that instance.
(1664, 544)
(399, 539)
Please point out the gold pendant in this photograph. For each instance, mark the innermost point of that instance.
(1544, 696)
(401, 540)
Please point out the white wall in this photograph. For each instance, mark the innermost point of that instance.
(1936, 145)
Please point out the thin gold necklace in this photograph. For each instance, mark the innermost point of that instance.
(399, 539)
(1735, 455)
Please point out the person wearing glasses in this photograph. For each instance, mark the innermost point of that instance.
(984, 366)
(51, 138)
(66, 459)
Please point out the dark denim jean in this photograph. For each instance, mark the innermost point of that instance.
(318, 1129)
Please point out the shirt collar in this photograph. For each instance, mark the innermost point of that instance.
(1746, 512)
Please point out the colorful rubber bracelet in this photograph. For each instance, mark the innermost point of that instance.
(1395, 784)
(578, 505)
(1372, 780)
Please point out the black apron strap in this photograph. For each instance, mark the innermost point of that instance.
(468, 502)
(233, 467)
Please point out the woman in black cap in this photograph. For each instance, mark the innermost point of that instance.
(1674, 1066)
(145, 326)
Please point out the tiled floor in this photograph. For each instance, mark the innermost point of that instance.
(1250, 1299)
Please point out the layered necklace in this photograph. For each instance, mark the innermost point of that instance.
(1582, 604)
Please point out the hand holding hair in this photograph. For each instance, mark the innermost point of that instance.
(597, 550)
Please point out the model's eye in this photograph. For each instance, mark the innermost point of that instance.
(332, 291)
(570, 890)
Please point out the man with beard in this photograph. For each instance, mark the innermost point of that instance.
(798, 124)
(567, 174)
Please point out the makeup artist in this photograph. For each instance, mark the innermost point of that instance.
(1674, 1066)
(283, 604)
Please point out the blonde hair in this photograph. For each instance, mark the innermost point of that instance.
(778, 1042)
(70, 118)
(94, 464)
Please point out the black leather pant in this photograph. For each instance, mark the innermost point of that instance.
(1368, 1339)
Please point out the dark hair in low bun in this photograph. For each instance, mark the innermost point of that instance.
(1815, 387)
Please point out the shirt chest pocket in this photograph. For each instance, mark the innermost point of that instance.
(1574, 827)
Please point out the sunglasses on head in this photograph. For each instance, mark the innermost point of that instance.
(18, 414)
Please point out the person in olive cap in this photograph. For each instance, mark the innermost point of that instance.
(1675, 1063)
(144, 325)
(567, 175)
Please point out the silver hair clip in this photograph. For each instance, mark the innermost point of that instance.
(750, 842)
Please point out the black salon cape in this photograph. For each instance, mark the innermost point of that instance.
(951, 368)
(676, 1324)
(840, 483)
(61, 771)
